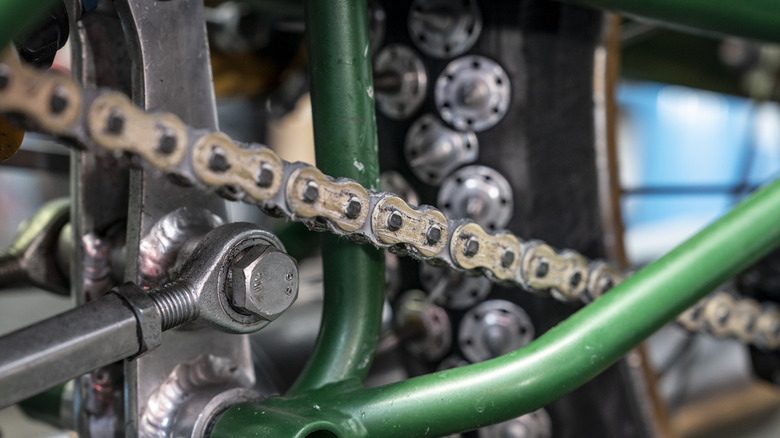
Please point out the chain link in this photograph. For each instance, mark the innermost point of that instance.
(107, 120)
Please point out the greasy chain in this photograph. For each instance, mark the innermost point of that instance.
(104, 119)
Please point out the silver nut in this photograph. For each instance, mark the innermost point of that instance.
(265, 282)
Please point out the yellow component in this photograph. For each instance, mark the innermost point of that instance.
(10, 139)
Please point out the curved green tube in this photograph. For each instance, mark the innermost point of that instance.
(582, 346)
(756, 19)
(557, 362)
(346, 146)
(16, 16)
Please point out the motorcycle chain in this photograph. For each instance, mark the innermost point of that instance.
(107, 120)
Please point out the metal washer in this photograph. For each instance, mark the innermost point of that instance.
(473, 93)
(493, 328)
(478, 193)
(444, 28)
(402, 61)
(433, 150)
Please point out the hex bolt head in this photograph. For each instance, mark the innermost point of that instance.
(116, 122)
(352, 208)
(433, 235)
(507, 258)
(218, 161)
(265, 282)
(59, 100)
(471, 247)
(264, 176)
(542, 268)
(395, 221)
(311, 192)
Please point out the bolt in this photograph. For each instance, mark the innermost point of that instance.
(116, 122)
(311, 192)
(264, 176)
(433, 235)
(471, 247)
(542, 268)
(264, 280)
(217, 161)
(395, 221)
(167, 142)
(352, 207)
(176, 302)
(59, 100)
(11, 269)
(507, 258)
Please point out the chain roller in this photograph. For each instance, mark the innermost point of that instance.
(498, 255)
(116, 124)
(423, 229)
(563, 274)
(54, 98)
(256, 174)
(311, 194)
(254, 171)
(602, 276)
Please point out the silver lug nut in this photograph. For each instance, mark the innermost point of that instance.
(265, 282)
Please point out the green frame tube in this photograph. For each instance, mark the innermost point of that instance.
(346, 146)
(16, 16)
(755, 19)
(556, 363)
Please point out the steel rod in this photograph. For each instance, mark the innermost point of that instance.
(346, 146)
(64, 346)
(556, 363)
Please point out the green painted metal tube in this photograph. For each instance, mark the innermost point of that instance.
(582, 346)
(756, 19)
(46, 406)
(16, 16)
(557, 362)
(346, 146)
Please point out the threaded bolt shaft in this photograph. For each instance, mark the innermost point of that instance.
(11, 269)
(177, 304)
